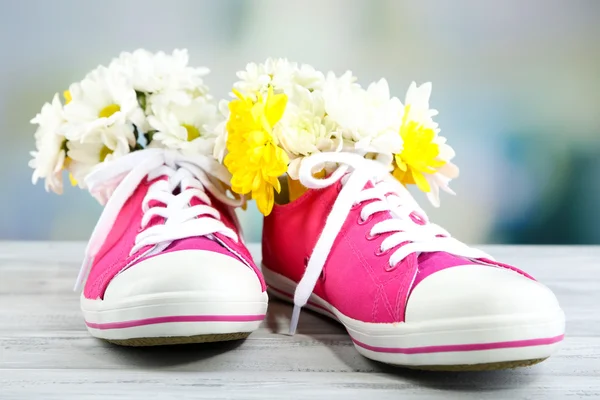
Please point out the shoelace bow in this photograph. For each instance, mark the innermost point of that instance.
(114, 182)
(404, 235)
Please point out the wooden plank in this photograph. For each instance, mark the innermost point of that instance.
(45, 351)
(148, 383)
(264, 350)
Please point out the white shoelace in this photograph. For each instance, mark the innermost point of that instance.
(404, 236)
(114, 182)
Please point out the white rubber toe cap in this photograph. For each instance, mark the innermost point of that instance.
(476, 290)
(203, 272)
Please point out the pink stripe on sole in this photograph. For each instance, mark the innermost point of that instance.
(443, 348)
(175, 318)
(462, 347)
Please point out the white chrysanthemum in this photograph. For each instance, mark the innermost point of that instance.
(220, 131)
(173, 98)
(308, 77)
(102, 100)
(370, 118)
(416, 106)
(177, 126)
(253, 79)
(157, 72)
(105, 145)
(280, 73)
(441, 179)
(303, 129)
(49, 157)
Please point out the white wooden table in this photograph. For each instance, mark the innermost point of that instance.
(46, 353)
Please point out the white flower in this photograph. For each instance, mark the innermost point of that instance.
(370, 118)
(204, 145)
(49, 159)
(177, 125)
(280, 73)
(102, 100)
(110, 107)
(105, 145)
(253, 79)
(416, 106)
(309, 78)
(157, 72)
(302, 123)
(442, 177)
(303, 129)
(220, 131)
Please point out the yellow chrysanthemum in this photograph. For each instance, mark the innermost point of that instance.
(255, 160)
(419, 155)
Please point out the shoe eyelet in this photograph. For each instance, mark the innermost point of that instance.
(380, 252)
(321, 275)
(390, 268)
(370, 237)
(417, 218)
(355, 206)
(361, 221)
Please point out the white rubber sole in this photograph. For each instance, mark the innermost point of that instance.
(173, 318)
(476, 343)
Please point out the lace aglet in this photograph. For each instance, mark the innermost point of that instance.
(294, 321)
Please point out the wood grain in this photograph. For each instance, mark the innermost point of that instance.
(46, 353)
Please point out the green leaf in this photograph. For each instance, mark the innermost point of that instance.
(149, 136)
(141, 98)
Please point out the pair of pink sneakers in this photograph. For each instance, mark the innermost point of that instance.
(167, 264)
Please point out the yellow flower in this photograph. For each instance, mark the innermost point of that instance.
(255, 160)
(419, 155)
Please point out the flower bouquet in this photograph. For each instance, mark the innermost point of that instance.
(140, 100)
(283, 112)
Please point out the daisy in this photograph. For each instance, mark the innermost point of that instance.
(278, 73)
(156, 72)
(369, 118)
(177, 125)
(308, 77)
(102, 100)
(253, 79)
(416, 105)
(105, 145)
(303, 129)
(49, 157)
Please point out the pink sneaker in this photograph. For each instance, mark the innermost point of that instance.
(166, 261)
(357, 248)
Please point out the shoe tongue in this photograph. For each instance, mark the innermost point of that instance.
(157, 220)
(430, 263)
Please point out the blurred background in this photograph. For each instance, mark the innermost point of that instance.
(517, 85)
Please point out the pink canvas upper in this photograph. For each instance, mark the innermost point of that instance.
(356, 278)
(114, 256)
